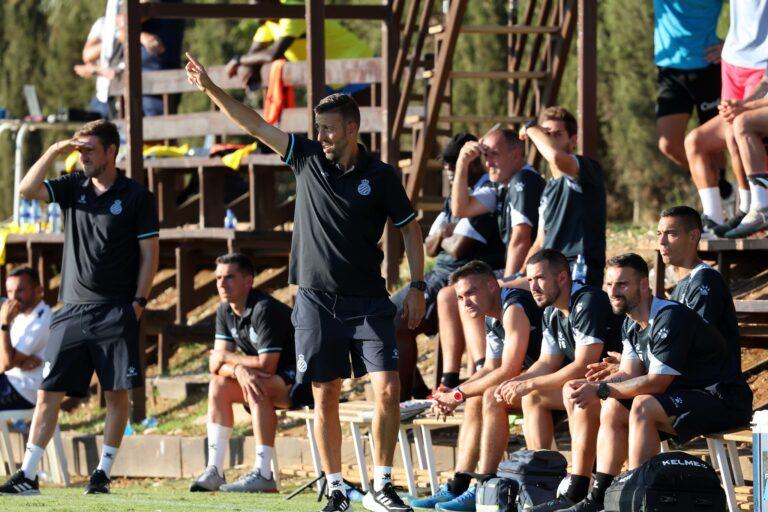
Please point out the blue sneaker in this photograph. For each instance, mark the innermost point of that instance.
(463, 503)
(441, 496)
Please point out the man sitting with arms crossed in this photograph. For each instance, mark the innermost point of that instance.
(578, 327)
(24, 326)
(513, 341)
(263, 378)
(676, 379)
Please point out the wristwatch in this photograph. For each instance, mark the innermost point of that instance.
(419, 285)
(528, 124)
(603, 390)
(458, 395)
(141, 301)
(237, 58)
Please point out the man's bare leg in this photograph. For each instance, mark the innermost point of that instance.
(327, 425)
(583, 425)
(646, 419)
(671, 130)
(495, 434)
(451, 334)
(702, 146)
(43, 426)
(538, 426)
(386, 425)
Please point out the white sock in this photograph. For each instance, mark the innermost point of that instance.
(263, 461)
(218, 439)
(744, 200)
(32, 457)
(711, 204)
(108, 454)
(758, 187)
(335, 482)
(381, 475)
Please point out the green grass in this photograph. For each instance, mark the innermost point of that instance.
(161, 496)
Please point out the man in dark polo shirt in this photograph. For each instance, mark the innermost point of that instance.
(262, 378)
(572, 210)
(578, 328)
(676, 380)
(110, 258)
(344, 196)
(699, 286)
(513, 341)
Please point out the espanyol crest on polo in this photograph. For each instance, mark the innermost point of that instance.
(116, 208)
(364, 188)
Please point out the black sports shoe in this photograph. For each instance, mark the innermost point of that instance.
(559, 503)
(730, 224)
(586, 505)
(20, 485)
(711, 228)
(337, 502)
(98, 483)
(385, 500)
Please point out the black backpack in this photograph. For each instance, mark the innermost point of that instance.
(538, 473)
(496, 495)
(672, 481)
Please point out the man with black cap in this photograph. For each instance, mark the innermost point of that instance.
(454, 242)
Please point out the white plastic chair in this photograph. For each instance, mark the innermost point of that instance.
(57, 461)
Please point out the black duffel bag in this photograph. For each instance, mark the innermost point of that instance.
(672, 481)
(537, 472)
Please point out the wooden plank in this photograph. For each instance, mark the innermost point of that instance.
(587, 79)
(315, 20)
(171, 81)
(132, 93)
(500, 75)
(751, 306)
(200, 124)
(186, 10)
(508, 29)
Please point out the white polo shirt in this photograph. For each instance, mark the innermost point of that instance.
(29, 335)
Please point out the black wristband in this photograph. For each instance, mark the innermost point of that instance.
(237, 58)
(5, 327)
(419, 285)
(141, 301)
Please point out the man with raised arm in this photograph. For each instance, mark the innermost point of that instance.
(343, 318)
(110, 258)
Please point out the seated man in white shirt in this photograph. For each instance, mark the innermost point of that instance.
(24, 327)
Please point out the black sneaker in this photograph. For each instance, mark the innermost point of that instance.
(386, 500)
(711, 228)
(20, 485)
(98, 483)
(559, 503)
(586, 505)
(730, 224)
(337, 502)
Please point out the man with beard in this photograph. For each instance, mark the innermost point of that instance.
(513, 341)
(342, 316)
(676, 380)
(578, 328)
(110, 258)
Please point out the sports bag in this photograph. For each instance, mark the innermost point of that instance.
(672, 481)
(538, 474)
(496, 495)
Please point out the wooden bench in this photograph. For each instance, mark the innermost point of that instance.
(725, 457)
(358, 414)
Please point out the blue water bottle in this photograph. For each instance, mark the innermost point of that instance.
(579, 274)
(230, 221)
(54, 218)
(24, 214)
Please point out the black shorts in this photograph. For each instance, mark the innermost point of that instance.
(697, 412)
(333, 329)
(300, 392)
(436, 280)
(100, 337)
(10, 399)
(682, 90)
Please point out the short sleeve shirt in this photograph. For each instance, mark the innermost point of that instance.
(265, 327)
(683, 30)
(679, 342)
(524, 197)
(494, 329)
(101, 237)
(339, 219)
(573, 212)
(704, 290)
(590, 321)
(340, 43)
(29, 335)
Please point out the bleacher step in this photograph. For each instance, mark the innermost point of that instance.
(179, 387)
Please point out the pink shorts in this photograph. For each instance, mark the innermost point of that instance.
(738, 83)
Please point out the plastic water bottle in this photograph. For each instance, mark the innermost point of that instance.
(149, 422)
(23, 214)
(579, 274)
(760, 460)
(230, 221)
(54, 218)
(128, 429)
(37, 216)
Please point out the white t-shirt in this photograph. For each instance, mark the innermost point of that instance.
(746, 45)
(29, 335)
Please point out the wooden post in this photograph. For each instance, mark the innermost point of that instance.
(185, 282)
(587, 82)
(658, 282)
(315, 16)
(134, 164)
